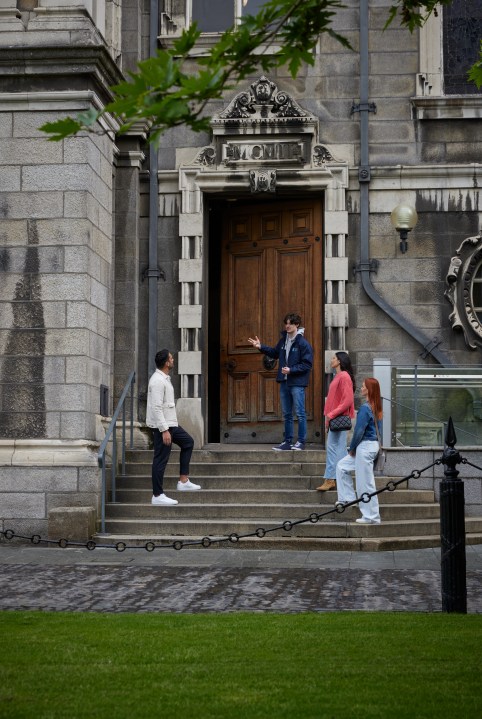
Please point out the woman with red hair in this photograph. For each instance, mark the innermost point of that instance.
(362, 452)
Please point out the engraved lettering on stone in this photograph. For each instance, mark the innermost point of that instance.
(277, 151)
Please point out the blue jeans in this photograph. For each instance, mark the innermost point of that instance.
(335, 450)
(362, 463)
(293, 402)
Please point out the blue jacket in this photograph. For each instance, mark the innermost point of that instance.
(300, 360)
(364, 427)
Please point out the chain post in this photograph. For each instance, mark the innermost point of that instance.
(452, 529)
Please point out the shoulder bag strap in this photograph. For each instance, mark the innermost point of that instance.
(376, 428)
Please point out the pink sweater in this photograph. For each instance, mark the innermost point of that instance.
(340, 397)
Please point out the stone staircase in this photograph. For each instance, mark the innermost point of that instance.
(244, 489)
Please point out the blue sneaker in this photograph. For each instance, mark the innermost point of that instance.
(298, 446)
(283, 447)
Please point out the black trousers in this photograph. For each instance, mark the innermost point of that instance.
(162, 452)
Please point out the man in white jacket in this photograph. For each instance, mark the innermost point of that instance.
(162, 418)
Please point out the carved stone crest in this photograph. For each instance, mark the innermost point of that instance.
(206, 156)
(321, 155)
(263, 102)
(262, 180)
(464, 279)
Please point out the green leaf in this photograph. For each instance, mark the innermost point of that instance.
(60, 129)
(475, 72)
(88, 118)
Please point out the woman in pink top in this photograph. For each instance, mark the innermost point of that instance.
(340, 400)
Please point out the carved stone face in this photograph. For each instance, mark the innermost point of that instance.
(263, 91)
(262, 182)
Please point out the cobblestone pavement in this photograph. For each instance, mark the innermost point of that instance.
(217, 580)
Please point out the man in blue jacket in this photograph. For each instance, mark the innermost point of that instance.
(295, 357)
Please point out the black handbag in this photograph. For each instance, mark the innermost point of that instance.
(340, 423)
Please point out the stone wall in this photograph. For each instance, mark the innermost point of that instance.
(56, 260)
(56, 249)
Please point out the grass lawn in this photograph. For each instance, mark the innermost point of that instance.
(114, 666)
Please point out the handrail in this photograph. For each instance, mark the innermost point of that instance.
(429, 416)
(111, 431)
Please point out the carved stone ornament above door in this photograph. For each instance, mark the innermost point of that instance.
(263, 141)
(264, 127)
(464, 279)
(261, 102)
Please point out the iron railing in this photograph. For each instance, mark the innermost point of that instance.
(111, 434)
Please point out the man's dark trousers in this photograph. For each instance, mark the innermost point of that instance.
(161, 455)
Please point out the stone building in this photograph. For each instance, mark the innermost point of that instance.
(110, 250)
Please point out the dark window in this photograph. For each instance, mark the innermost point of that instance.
(251, 7)
(462, 31)
(213, 15)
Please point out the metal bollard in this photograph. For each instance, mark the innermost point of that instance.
(452, 529)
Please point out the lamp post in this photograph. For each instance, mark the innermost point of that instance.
(404, 218)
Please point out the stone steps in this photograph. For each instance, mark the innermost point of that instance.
(150, 527)
(241, 454)
(142, 493)
(246, 489)
(240, 512)
(273, 483)
(235, 469)
(302, 544)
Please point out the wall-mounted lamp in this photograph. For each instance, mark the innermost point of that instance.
(404, 218)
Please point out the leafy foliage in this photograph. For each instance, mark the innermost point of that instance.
(172, 89)
(475, 72)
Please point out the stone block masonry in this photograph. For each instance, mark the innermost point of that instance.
(56, 284)
(56, 259)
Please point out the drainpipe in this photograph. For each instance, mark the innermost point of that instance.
(153, 273)
(430, 347)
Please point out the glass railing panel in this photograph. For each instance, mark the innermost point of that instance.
(423, 398)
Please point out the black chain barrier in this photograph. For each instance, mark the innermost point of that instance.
(233, 538)
(452, 526)
(463, 460)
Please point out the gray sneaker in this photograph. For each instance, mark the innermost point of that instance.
(283, 447)
(298, 446)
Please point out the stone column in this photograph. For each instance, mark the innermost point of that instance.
(10, 18)
(56, 262)
(127, 266)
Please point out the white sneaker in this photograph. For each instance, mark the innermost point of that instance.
(364, 520)
(162, 499)
(187, 486)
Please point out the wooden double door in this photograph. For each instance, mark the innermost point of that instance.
(271, 264)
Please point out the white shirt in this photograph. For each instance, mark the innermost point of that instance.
(161, 407)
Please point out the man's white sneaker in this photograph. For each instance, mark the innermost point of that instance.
(162, 499)
(187, 486)
(364, 520)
